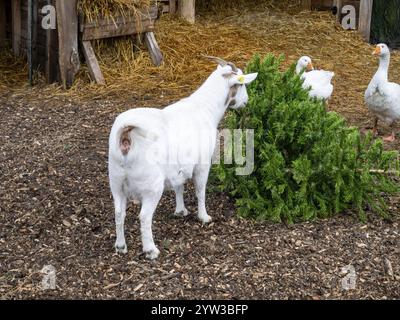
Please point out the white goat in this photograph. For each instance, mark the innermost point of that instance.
(152, 149)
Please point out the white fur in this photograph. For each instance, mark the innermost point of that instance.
(168, 147)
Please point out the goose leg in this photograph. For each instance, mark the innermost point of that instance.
(390, 138)
(375, 128)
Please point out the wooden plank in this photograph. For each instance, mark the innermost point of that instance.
(29, 42)
(154, 49)
(92, 63)
(322, 4)
(306, 4)
(52, 70)
(3, 23)
(16, 26)
(67, 23)
(119, 26)
(169, 6)
(364, 23)
(111, 30)
(172, 6)
(338, 5)
(35, 9)
(187, 10)
(148, 14)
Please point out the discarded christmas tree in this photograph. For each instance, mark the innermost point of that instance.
(308, 162)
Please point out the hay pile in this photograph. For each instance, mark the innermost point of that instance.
(13, 71)
(224, 7)
(92, 9)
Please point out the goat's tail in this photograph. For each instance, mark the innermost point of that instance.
(125, 139)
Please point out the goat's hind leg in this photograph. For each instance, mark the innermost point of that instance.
(180, 204)
(120, 201)
(149, 205)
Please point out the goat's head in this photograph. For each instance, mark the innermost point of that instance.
(236, 81)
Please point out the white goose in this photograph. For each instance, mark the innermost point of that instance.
(383, 97)
(318, 80)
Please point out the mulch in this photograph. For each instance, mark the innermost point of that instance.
(56, 207)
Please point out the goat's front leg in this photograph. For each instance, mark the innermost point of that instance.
(200, 182)
(149, 205)
(180, 204)
(120, 201)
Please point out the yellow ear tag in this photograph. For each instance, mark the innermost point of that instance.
(241, 79)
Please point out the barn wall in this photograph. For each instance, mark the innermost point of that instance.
(321, 4)
(5, 23)
(356, 5)
(44, 42)
(385, 24)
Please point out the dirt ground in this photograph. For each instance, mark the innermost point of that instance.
(56, 208)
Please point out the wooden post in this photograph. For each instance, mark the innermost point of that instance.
(306, 4)
(172, 6)
(29, 42)
(16, 26)
(3, 21)
(152, 46)
(338, 4)
(364, 24)
(51, 66)
(187, 9)
(35, 17)
(67, 23)
(92, 63)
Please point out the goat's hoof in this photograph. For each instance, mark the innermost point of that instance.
(153, 254)
(121, 248)
(182, 213)
(205, 219)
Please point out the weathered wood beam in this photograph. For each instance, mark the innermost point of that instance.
(16, 26)
(148, 14)
(92, 63)
(119, 26)
(112, 30)
(172, 6)
(3, 21)
(152, 46)
(67, 24)
(30, 41)
(187, 9)
(51, 65)
(364, 23)
(306, 4)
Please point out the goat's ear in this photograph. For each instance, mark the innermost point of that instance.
(243, 79)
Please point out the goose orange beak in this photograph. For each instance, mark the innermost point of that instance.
(377, 51)
(310, 66)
